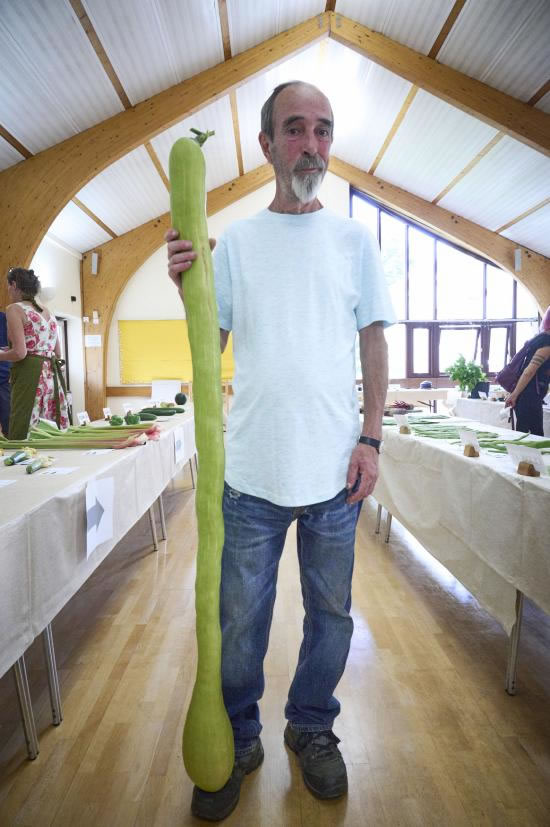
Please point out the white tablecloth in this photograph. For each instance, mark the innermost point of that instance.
(489, 526)
(483, 410)
(416, 394)
(43, 527)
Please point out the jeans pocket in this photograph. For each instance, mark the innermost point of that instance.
(232, 493)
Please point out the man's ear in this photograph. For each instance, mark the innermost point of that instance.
(265, 145)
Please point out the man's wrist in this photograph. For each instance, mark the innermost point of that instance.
(371, 441)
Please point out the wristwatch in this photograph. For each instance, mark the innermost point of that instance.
(369, 440)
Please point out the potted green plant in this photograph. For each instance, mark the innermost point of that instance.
(465, 374)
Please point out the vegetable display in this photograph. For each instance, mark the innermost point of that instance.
(208, 751)
(79, 438)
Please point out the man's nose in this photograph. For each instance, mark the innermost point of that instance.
(310, 144)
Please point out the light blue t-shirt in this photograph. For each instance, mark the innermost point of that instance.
(294, 290)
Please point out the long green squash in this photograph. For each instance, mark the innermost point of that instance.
(208, 751)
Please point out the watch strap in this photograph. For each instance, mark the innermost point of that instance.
(369, 440)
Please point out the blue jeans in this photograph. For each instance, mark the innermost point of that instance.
(255, 532)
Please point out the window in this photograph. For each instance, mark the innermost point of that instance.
(421, 274)
(448, 300)
(392, 247)
(459, 284)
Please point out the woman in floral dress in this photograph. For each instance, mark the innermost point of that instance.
(38, 387)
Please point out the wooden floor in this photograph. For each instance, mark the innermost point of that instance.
(428, 733)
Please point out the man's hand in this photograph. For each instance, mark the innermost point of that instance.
(363, 464)
(180, 255)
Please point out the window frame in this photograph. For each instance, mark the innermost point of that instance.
(436, 325)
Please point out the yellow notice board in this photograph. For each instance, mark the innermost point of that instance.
(159, 349)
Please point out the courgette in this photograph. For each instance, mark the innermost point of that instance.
(208, 744)
(147, 417)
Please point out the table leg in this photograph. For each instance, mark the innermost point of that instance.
(388, 527)
(53, 682)
(162, 520)
(513, 647)
(25, 707)
(192, 472)
(378, 518)
(153, 529)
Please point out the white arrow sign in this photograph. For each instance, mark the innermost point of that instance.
(99, 512)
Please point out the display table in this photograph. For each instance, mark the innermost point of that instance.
(487, 412)
(427, 396)
(489, 526)
(43, 526)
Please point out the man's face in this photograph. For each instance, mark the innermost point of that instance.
(299, 151)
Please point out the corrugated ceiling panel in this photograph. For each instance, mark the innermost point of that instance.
(509, 180)
(76, 229)
(365, 99)
(433, 144)
(8, 155)
(219, 151)
(251, 22)
(415, 23)
(153, 45)
(504, 43)
(53, 85)
(128, 193)
(533, 231)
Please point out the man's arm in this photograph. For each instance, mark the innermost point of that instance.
(374, 368)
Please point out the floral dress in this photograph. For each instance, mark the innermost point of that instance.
(40, 339)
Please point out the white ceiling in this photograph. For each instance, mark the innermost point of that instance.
(53, 85)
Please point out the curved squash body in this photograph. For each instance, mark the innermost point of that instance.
(208, 750)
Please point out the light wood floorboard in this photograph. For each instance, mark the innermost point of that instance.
(428, 733)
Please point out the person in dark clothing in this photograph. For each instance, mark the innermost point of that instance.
(4, 379)
(532, 386)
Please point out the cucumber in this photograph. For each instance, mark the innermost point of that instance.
(33, 466)
(17, 456)
(208, 744)
(147, 417)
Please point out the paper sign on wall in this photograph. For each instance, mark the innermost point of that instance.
(92, 340)
(99, 512)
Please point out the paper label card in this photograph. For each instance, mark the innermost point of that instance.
(3, 483)
(468, 437)
(107, 413)
(92, 340)
(401, 419)
(482, 394)
(58, 471)
(179, 445)
(99, 512)
(521, 453)
(83, 418)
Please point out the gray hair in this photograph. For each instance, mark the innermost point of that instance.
(266, 122)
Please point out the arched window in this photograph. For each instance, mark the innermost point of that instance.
(448, 300)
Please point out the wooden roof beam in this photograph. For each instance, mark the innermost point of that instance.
(515, 118)
(37, 189)
(535, 271)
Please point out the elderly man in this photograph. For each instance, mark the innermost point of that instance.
(295, 283)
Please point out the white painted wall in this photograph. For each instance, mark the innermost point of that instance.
(58, 268)
(151, 295)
